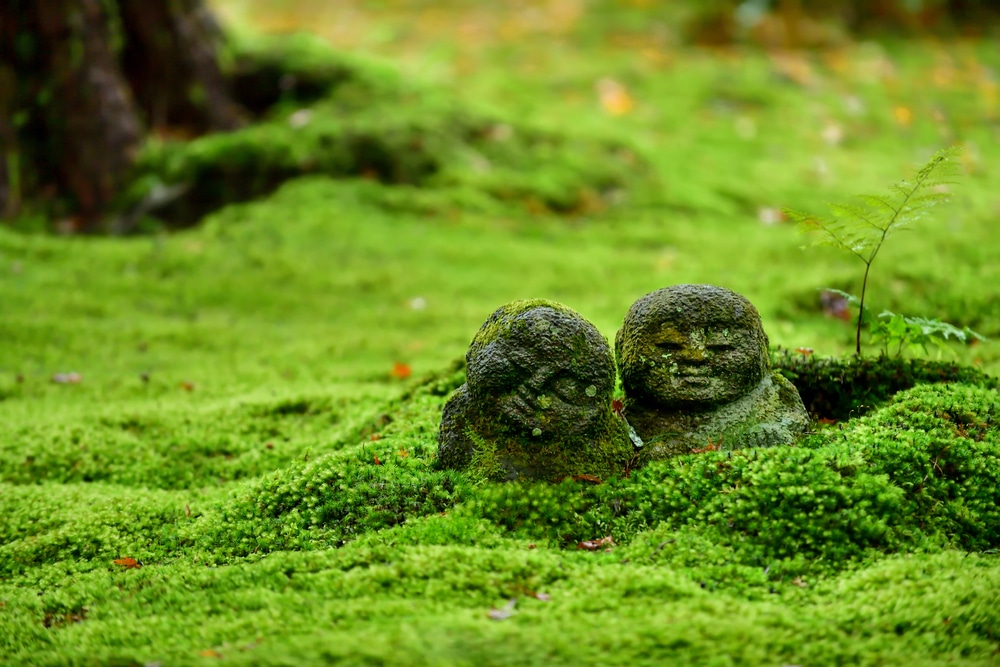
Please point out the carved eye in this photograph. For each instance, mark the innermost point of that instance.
(721, 346)
(565, 387)
(670, 346)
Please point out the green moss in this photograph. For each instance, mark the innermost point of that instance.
(286, 315)
(840, 388)
(363, 121)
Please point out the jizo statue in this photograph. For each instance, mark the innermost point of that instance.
(537, 403)
(538, 397)
(696, 373)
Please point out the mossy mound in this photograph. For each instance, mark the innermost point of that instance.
(920, 473)
(341, 117)
(799, 540)
(839, 388)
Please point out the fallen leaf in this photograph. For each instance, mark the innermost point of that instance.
(400, 371)
(209, 653)
(377, 462)
(804, 351)
(403, 453)
(67, 378)
(590, 479)
(770, 215)
(798, 581)
(594, 545)
(300, 118)
(835, 305)
(504, 612)
(902, 115)
(187, 386)
(618, 406)
(128, 563)
(614, 97)
(710, 447)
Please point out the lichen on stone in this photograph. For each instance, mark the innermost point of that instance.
(696, 373)
(537, 403)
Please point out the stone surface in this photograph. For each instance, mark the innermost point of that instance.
(696, 373)
(537, 403)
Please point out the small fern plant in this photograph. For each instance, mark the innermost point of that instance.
(862, 227)
(901, 332)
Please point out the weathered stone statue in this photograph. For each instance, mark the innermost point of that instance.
(537, 403)
(696, 373)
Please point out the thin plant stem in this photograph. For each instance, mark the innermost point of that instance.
(861, 311)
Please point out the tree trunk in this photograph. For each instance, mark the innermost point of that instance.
(10, 188)
(92, 77)
(171, 63)
(93, 115)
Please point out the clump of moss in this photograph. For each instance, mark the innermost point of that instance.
(920, 473)
(329, 501)
(364, 121)
(44, 525)
(266, 71)
(840, 388)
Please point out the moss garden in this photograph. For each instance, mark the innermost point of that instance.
(218, 436)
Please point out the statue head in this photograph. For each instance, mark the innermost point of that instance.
(691, 347)
(542, 369)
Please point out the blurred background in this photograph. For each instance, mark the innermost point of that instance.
(343, 191)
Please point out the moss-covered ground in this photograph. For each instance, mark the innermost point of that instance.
(241, 470)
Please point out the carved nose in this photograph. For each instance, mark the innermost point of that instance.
(692, 354)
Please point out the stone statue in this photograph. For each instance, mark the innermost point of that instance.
(696, 373)
(537, 403)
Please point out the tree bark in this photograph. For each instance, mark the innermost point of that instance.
(93, 76)
(171, 63)
(92, 114)
(10, 187)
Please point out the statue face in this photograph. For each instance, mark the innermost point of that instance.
(540, 385)
(691, 347)
(699, 365)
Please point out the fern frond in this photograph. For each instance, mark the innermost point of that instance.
(862, 228)
(865, 215)
(930, 199)
(883, 206)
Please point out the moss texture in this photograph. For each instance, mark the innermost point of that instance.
(538, 400)
(233, 377)
(843, 387)
(343, 117)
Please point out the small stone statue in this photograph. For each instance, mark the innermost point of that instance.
(696, 373)
(537, 403)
